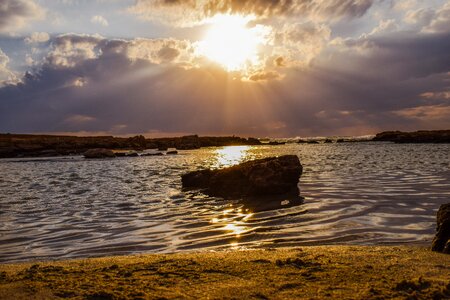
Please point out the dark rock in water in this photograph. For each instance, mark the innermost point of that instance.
(172, 152)
(441, 242)
(99, 153)
(262, 177)
(328, 141)
(340, 141)
(422, 136)
(132, 154)
(312, 142)
(301, 141)
(153, 154)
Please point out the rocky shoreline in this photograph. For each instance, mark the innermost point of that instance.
(29, 145)
(26, 145)
(422, 136)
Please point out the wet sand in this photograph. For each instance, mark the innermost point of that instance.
(340, 272)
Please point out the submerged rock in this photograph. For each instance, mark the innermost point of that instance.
(262, 177)
(441, 242)
(99, 153)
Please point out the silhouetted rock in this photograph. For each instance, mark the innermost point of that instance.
(301, 141)
(312, 142)
(172, 152)
(20, 145)
(328, 141)
(132, 154)
(99, 153)
(441, 242)
(262, 177)
(340, 141)
(423, 136)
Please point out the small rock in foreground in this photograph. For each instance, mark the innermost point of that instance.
(99, 153)
(441, 242)
(262, 177)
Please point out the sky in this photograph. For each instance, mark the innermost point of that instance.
(263, 68)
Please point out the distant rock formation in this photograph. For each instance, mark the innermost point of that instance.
(20, 145)
(441, 242)
(262, 177)
(99, 153)
(423, 136)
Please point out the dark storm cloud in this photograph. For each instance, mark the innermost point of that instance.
(190, 11)
(15, 13)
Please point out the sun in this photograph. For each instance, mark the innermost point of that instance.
(232, 43)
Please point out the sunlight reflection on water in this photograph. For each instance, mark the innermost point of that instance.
(230, 156)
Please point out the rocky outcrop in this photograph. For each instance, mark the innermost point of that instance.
(423, 136)
(99, 153)
(263, 177)
(21, 145)
(441, 242)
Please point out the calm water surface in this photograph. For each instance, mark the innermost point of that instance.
(360, 193)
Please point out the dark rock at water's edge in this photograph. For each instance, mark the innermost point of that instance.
(441, 242)
(99, 153)
(257, 178)
(423, 136)
(173, 152)
(27, 145)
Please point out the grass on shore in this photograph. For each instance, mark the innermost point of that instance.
(316, 272)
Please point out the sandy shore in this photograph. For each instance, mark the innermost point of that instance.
(340, 272)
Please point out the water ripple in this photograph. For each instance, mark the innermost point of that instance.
(366, 193)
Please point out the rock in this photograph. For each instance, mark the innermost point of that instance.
(132, 154)
(262, 177)
(422, 136)
(174, 152)
(312, 142)
(328, 141)
(99, 153)
(441, 242)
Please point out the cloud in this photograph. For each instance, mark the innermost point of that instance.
(313, 82)
(261, 76)
(71, 49)
(300, 42)
(37, 37)
(441, 20)
(15, 14)
(99, 20)
(188, 12)
(6, 75)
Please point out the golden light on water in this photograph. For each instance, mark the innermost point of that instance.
(232, 43)
(231, 155)
(233, 221)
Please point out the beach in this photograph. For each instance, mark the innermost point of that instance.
(314, 272)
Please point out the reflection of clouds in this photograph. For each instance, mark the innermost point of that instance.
(231, 155)
(233, 220)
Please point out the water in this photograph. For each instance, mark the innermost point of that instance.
(359, 193)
